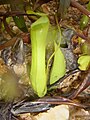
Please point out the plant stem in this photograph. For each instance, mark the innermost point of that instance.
(7, 28)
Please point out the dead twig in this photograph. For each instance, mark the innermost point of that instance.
(14, 13)
(60, 100)
(25, 38)
(80, 7)
(83, 86)
(7, 28)
(8, 44)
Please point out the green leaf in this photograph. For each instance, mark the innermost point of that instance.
(20, 23)
(35, 13)
(59, 65)
(84, 62)
(85, 48)
(85, 19)
(8, 19)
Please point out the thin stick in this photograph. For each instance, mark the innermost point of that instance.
(80, 7)
(7, 28)
(8, 44)
(14, 13)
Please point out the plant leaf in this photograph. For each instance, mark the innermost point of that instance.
(20, 23)
(59, 65)
(85, 19)
(63, 6)
(84, 62)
